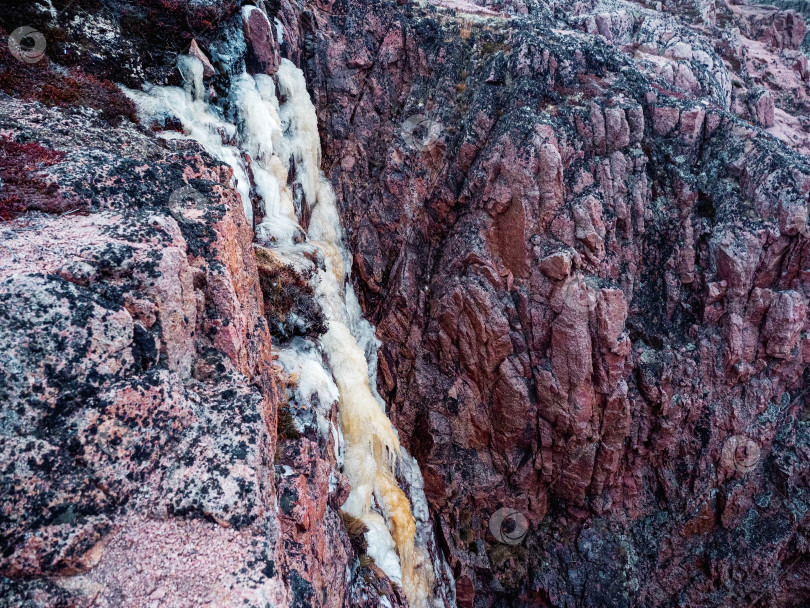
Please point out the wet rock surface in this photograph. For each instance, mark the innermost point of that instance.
(581, 231)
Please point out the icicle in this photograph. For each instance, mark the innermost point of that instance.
(381, 547)
(191, 69)
(300, 126)
(364, 423)
(403, 526)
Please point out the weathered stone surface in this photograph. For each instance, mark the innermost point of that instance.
(124, 398)
(578, 304)
(779, 29)
(262, 42)
(590, 289)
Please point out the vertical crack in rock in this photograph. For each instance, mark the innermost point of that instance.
(270, 139)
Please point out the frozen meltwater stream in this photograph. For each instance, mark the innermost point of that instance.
(272, 122)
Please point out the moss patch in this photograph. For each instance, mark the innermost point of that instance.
(41, 82)
(289, 300)
(23, 189)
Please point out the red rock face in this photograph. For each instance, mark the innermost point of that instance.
(779, 29)
(262, 42)
(589, 290)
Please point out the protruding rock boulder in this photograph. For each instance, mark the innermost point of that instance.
(196, 51)
(262, 42)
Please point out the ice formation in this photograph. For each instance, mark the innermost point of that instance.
(271, 130)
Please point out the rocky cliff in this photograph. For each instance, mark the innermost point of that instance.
(580, 229)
